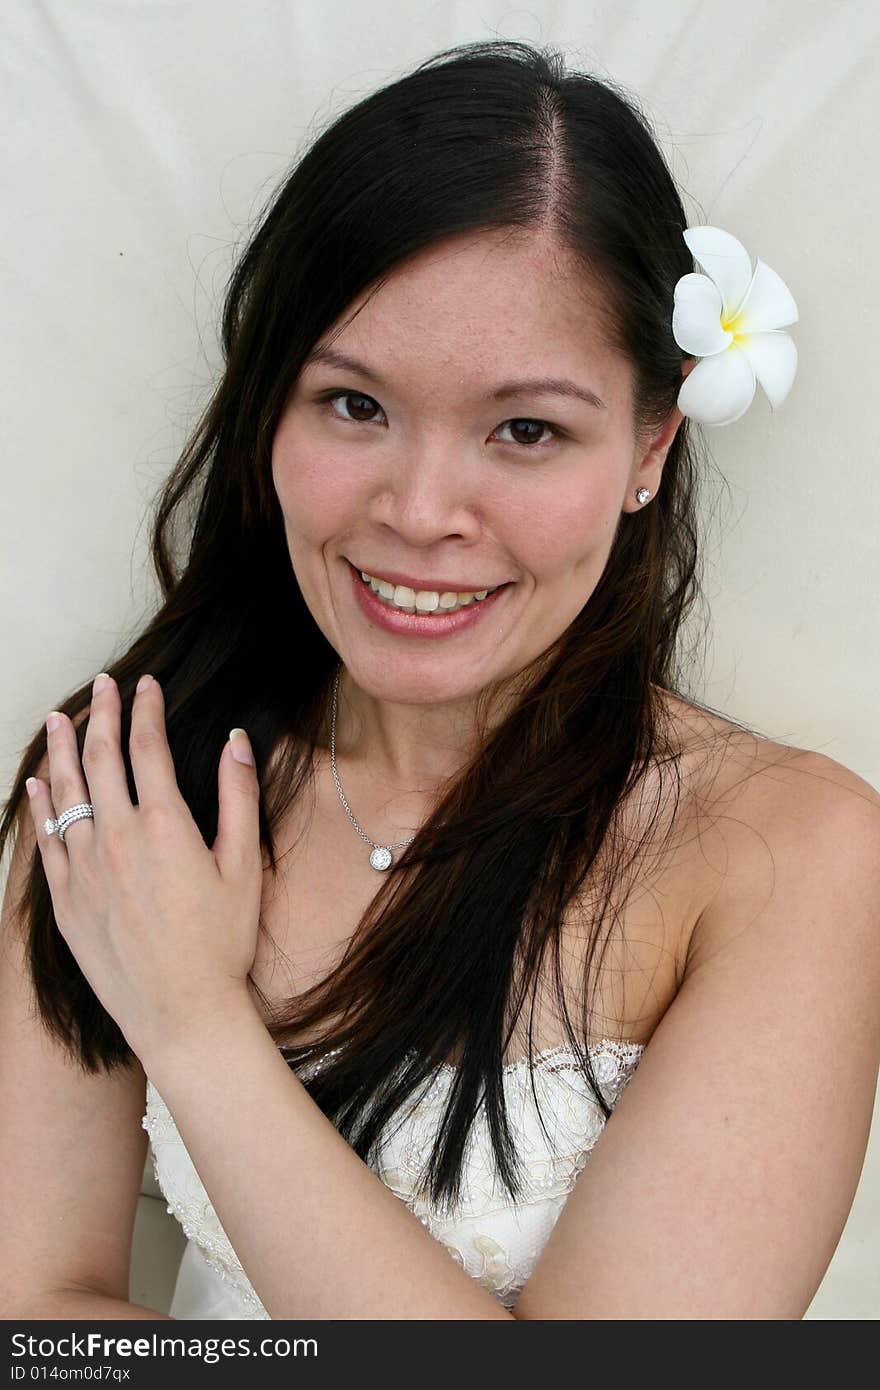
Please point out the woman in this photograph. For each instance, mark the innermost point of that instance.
(518, 883)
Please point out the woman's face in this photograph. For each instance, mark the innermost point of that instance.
(422, 468)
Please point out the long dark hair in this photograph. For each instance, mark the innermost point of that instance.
(482, 135)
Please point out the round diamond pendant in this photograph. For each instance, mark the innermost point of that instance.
(380, 857)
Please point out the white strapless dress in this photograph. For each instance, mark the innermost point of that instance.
(493, 1239)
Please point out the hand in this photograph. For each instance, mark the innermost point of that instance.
(163, 928)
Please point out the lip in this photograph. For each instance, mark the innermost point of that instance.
(427, 585)
(417, 624)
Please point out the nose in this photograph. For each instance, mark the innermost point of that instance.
(430, 494)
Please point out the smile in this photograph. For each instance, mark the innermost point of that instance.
(423, 613)
(423, 600)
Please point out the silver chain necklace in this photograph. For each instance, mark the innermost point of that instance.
(380, 855)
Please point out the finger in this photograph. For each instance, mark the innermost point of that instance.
(67, 782)
(237, 845)
(102, 762)
(151, 760)
(54, 855)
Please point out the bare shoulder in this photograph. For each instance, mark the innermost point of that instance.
(722, 1184)
(776, 824)
(730, 763)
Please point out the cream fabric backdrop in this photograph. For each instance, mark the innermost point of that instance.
(141, 138)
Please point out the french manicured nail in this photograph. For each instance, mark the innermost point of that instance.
(241, 748)
(143, 683)
(53, 721)
(101, 679)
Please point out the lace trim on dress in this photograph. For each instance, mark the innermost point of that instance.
(187, 1200)
(574, 1122)
(554, 1091)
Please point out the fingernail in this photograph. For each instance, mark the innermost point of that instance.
(241, 748)
(143, 683)
(101, 679)
(53, 721)
(31, 785)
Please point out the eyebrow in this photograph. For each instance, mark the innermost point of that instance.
(538, 386)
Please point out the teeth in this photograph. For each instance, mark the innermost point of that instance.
(423, 601)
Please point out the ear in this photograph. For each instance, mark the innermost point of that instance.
(648, 467)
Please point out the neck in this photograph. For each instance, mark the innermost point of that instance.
(409, 750)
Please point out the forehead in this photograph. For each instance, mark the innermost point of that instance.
(481, 308)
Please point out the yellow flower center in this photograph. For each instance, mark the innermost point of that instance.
(733, 324)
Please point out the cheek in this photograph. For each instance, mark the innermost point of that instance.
(312, 493)
(568, 526)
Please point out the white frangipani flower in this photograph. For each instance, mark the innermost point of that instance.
(732, 319)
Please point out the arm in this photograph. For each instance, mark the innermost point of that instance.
(721, 1185)
(80, 1305)
(158, 922)
(71, 1151)
(283, 1181)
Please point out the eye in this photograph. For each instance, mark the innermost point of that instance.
(533, 444)
(331, 396)
(555, 432)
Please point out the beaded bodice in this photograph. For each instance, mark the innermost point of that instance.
(492, 1238)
